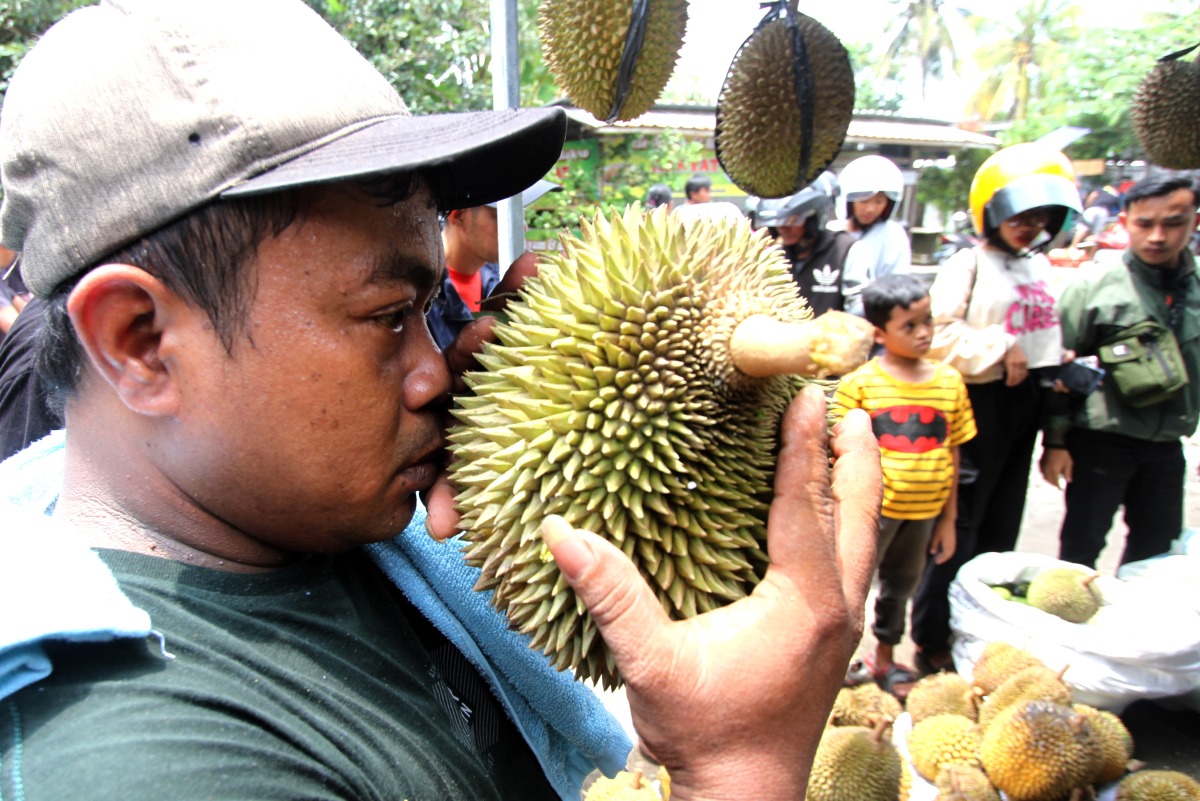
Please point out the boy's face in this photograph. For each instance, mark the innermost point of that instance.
(909, 332)
(868, 211)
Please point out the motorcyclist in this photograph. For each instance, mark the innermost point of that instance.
(817, 254)
(870, 188)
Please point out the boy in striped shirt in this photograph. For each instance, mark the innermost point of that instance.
(920, 414)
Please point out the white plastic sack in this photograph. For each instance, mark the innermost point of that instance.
(1136, 646)
(1174, 576)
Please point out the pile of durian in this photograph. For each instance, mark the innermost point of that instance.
(1010, 732)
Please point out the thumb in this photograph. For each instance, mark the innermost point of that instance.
(619, 600)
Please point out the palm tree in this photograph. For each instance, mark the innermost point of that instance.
(920, 33)
(1024, 50)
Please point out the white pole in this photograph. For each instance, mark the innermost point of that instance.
(506, 93)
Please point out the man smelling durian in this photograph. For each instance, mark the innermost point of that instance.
(205, 593)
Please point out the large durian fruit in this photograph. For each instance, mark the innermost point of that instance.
(614, 398)
(612, 57)
(1164, 112)
(785, 106)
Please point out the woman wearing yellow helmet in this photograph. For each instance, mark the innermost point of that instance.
(996, 322)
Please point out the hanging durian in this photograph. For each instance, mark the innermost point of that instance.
(786, 104)
(612, 57)
(1164, 112)
(614, 398)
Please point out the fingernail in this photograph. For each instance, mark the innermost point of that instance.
(571, 554)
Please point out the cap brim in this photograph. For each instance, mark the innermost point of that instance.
(479, 156)
(534, 192)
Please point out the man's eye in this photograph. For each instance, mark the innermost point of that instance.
(394, 320)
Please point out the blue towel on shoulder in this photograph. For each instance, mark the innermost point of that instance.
(46, 572)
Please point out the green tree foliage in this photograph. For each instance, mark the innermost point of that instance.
(1022, 53)
(437, 53)
(874, 91)
(947, 190)
(919, 33)
(1095, 86)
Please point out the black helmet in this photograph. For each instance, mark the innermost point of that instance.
(814, 200)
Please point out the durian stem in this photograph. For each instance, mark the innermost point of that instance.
(762, 346)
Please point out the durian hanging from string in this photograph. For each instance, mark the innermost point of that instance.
(612, 58)
(1164, 112)
(786, 104)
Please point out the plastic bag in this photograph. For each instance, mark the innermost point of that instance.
(1135, 646)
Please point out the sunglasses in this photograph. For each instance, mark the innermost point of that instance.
(1037, 218)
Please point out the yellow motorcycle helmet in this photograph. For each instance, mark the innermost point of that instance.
(1021, 177)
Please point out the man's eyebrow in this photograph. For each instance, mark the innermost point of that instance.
(396, 266)
(1170, 218)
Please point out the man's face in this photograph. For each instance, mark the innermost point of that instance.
(314, 434)
(1161, 227)
(909, 332)
(792, 234)
(479, 232)
(702, 195)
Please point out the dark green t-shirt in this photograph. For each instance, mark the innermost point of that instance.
(317, 681)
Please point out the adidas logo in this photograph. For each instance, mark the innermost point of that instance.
(826, 276)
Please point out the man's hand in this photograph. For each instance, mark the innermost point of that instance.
(1057, 466)
(733, 702)
(525, 267)
(1016, 366)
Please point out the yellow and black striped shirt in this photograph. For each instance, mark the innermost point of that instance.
(916, 425)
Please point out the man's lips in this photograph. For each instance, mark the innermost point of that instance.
(423, 472)
(421, 475)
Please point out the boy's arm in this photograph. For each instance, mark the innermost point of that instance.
(944, 540)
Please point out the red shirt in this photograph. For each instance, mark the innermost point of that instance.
(469, 287)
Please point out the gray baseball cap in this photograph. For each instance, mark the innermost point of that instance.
(129, 114)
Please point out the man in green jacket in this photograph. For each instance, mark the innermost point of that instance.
(1110, 452)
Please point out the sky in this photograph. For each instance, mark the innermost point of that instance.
(717, 28)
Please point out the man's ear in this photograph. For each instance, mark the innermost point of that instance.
(120, 313)
(880, 335)
(454, 217)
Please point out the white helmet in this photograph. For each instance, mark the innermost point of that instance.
(863, 177)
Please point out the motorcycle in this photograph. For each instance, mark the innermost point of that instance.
(959, 237)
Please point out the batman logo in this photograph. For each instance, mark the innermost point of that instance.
(909, 429)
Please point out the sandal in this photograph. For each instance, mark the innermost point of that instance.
(936, 662)
(897, 680)
(859, 672)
